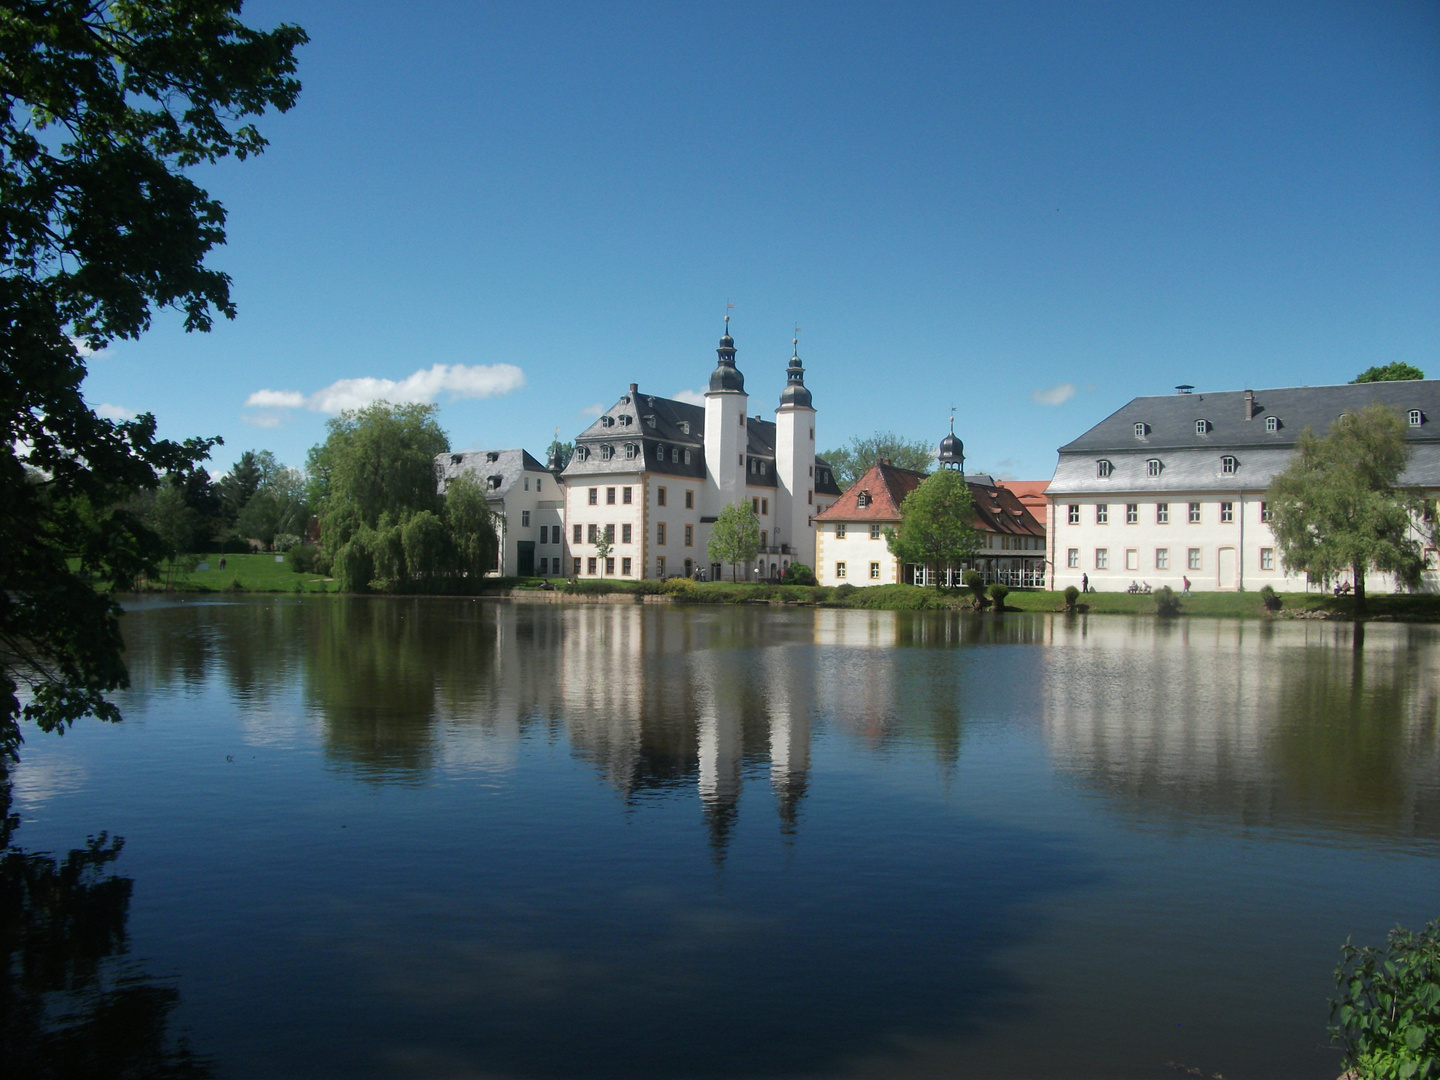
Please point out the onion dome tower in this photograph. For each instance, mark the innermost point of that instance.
(795, 392)
(726, 376)
(952, 451)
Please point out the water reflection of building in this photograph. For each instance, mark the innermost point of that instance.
(1257, 723)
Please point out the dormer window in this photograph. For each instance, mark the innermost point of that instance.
(1153, 467)
(607, 452)
(456, 459)
(493, 455)
(582, 452)
(1103, 469)
(630, 450)
(684, 427)
(863, 499)
(1141, 430)
(1416, 418)
(1229, 464)
(1202, 427)
(625, 420)
(495, 482)
(1272, 423)
(650, 420)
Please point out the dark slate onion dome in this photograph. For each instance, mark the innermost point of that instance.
(726, 376)
(795, 392)
(952, 451)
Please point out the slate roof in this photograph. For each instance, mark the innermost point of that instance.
(496, 470)
(1190, 461)
(997, 509)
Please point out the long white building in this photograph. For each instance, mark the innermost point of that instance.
(1173, 487)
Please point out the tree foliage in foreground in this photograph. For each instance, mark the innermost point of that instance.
(937, 524)
(1396, 372)
(384, 524)
(105, 109)
(734, 538)
(852, 461)
(1387, 1014)
(1336, 509)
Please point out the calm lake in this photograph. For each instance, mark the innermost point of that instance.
(459, 838)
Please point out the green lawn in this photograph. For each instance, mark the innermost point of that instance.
(247, 573)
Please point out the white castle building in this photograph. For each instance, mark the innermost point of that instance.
(651, 475)
(1173, 488)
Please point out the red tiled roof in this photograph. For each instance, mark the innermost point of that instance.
(1031, 494)
(997, 509)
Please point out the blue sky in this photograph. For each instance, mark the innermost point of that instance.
(1034, 212)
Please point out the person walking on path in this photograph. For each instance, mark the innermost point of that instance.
(1084, 583)
(1185, 581)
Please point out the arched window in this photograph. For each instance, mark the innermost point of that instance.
(607, 452)
(1141, 430)
(630, 451)
(1153, 466)
(1202, 427)
(607, 421)
(1103, 469)
(581, 453)
(1272, 423)
(1229, 465)
(1416, 418)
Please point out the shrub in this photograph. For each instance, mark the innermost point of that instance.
(1387, 1017)
(1166, 602)
(797, 573)
(302, 558)
(998, 592)
(1072, 597)
(285, 541)
(843, 591)
(1270, 598)
(976, 584)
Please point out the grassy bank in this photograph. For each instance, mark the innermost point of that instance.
(242, 573)
(1243, 605)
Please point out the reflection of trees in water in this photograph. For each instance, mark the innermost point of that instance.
(1253, 722)
(70, 1004)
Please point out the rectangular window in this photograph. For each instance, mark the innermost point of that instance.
(626, 531)
(610, 534)
(687, 457)
(1227, 513)
(609, 496)
(1102, 558)
(1162, 558)
(576, 561)
(764, 539)
(1102, 514)
(625, 496)
(660, 496)
(1074, 515)
(590, 566)
(689, 535)
(660, 532)
(625, 567)
(594, 496)
(755, 505)
(524, 519)
(527, 483)
(874, 571)
(1194, 560)
(1194, 513)
(875, 531)
(538, 483)
(764, 506)
(840, 531)
(1072, 558)
(660, 566)
(1265, 511)
(1132, 559)
(839, 569)
(1267, 558)
(577, 535)
(689, 500)
(544, 534)
(1162, 513)
(592, 533)
(810, 497)
(610, 566)
(1132, 513)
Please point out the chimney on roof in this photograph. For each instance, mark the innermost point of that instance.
(1249, 404)
(634, 388)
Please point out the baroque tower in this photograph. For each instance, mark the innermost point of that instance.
(795, 463)
(726, 438)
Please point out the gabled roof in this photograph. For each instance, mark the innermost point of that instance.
(997, 509)
(1031, 494)
(497, 471)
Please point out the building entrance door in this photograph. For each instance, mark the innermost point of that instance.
(1228, 568)
(525, 558)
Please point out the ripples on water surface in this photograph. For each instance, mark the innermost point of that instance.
(480, 839)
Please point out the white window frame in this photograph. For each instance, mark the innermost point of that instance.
(1162, 558)
(1072, 558)
(1267, 558)
(1102, 513)
(1194, 560)
(1102, 558)
(840, 569)
(1153, 467)
(1162, 513)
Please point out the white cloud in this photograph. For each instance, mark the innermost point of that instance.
(1053, 395)
(84, 349)
(423, 386)
(265, 420)
(592, 410)
(275, 399)
(690, 397)
(115, 412)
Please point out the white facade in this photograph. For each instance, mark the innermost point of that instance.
(528, 502)
(1173, 488)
